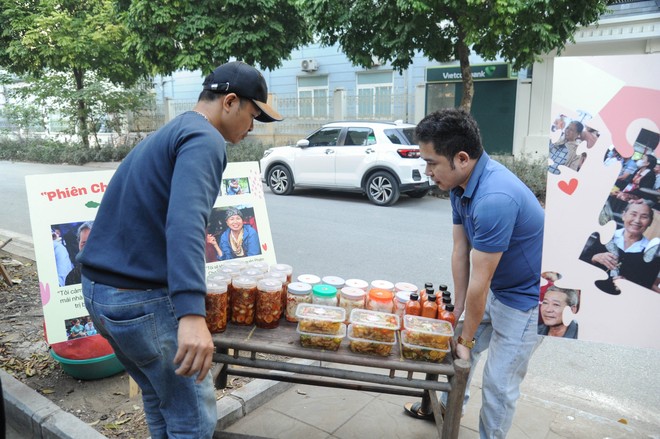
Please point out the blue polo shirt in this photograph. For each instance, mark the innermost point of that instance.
(500, 214)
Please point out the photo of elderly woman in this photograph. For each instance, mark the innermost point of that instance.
(235, 236)
(630, 254)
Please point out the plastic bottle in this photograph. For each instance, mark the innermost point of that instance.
(430, 308)
(401, 298)
(445, 301)
(296, 293)
(447, 314)
(413, 307)
(269, 303)
(351, 298)
(217, 306)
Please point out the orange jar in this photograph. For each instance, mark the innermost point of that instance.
(243, 300)
(381, 300)
(269, 303)
(217, 306)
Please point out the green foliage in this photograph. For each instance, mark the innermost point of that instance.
(534, 173)
(49, 151)
(518, 31)
(201, 34)
(246, 152)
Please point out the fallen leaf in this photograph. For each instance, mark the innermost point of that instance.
(47, 391)
(623, 421)
(123, 421)
(91, 424)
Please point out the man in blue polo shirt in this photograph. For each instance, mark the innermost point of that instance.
(496, 261)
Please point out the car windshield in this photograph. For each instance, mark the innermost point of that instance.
(401, 136)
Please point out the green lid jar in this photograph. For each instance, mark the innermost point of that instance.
(323, 294)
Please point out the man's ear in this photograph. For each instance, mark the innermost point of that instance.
(462, 158)
(230, 100)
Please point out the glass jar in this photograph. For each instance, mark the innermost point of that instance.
(334, 281)
(269, 303)
(401, 298)
(284, 268)
(324, 295)
(217, 305)
(311, 279)
(380, 300)
(357, 283)
(382, 285)
(243, 300)
(351, 298)
(296, 292)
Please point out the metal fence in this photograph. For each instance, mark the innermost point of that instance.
(301, 116)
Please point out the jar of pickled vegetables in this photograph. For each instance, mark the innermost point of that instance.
(269, 303)
(285, 284)
(253, 272)
(351, 298)
(296, 292)
(243, 300)
(311, 279)
(324, 295)
(382, 285)
(259, 265)
(284, 268)
(405, 286)
(380, 300)
(217, 305)
(357, 283)
(334, 281)
(401, 298)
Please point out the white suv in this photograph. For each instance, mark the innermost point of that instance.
(376, 158)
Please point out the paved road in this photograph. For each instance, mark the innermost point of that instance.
(332, 233)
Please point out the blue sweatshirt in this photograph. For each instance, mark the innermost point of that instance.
(150, 228)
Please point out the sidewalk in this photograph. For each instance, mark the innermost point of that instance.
(278, 410)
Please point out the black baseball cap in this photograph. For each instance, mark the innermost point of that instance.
(247, 82)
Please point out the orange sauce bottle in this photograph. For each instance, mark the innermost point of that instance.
(413, 307)
(447, 314)
(430, 308)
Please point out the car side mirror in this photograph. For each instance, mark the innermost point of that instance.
(302, 143)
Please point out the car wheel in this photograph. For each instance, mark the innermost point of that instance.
(382, 189)
(420, 193)
(280, 180)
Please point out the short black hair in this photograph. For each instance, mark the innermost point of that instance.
(450, 131)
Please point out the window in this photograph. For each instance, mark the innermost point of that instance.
(313, 97)
(360, 136)
(374, 95)
(324, 137)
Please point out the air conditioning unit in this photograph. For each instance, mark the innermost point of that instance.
(309, 65)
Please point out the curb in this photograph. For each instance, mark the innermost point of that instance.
(36, 416)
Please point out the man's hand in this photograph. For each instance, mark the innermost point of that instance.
(195, 352)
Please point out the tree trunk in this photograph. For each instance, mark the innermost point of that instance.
(463, 52)
(78, 75)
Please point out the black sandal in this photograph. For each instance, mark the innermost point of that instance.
(414, 409)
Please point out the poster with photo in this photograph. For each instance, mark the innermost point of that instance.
(601, 253)
(62, 212)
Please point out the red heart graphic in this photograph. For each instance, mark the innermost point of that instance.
(569, 187)
(264, 246)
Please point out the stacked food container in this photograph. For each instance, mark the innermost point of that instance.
(320, 326)
(425, 339)
(372, 332)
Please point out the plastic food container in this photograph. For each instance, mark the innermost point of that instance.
(296, 293)
(351, 298)
(374, 325)
(380, 299)
(311, 279)
(243, 300)
(283, 268)
(412, 351)
(431, 333)
(357, 283)
(320, 319)
(329, 342)
(269, 303)
(366, 346)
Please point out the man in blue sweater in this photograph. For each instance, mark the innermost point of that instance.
(496, 262)
(143, 264)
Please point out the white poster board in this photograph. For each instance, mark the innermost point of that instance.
(61, 203)
(617, 99)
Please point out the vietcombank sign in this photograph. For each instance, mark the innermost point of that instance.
(486, 72)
